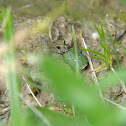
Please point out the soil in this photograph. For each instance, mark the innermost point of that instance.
(60, 32)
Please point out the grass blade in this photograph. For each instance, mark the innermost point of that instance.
(76, 54)
(20, 52)
(97, 30)
(101, 66)
(96, 52)
(102, 33)
(105, 48)
(99, 58)
(12, 82)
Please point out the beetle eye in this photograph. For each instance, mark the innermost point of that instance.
(58, 47)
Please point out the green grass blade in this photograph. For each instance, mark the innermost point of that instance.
(104, 41)
(99, 58)
(20, 52)
(26, 50)
(96, 52)
(122, 53)
(7, 24)
(13, 83)
(97, 30)
(76, 54)
(38, 116)
(101, 66)
(105, 48)
(37, 86)
(114, 48)
(102, 33)
(76, 92)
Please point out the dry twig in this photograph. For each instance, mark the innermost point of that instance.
(32, 93)
(92, 69)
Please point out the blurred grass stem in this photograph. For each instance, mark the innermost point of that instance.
(38, 113)
(12, 82)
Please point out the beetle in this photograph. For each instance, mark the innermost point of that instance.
(70, 59)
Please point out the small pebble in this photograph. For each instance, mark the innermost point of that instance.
(95, 36)
(120, 34)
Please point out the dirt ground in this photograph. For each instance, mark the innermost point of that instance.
(60, 32)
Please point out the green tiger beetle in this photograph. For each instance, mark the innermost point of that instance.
(69, 56)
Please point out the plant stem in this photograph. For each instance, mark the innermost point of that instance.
(76, 54)
(12, 83)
